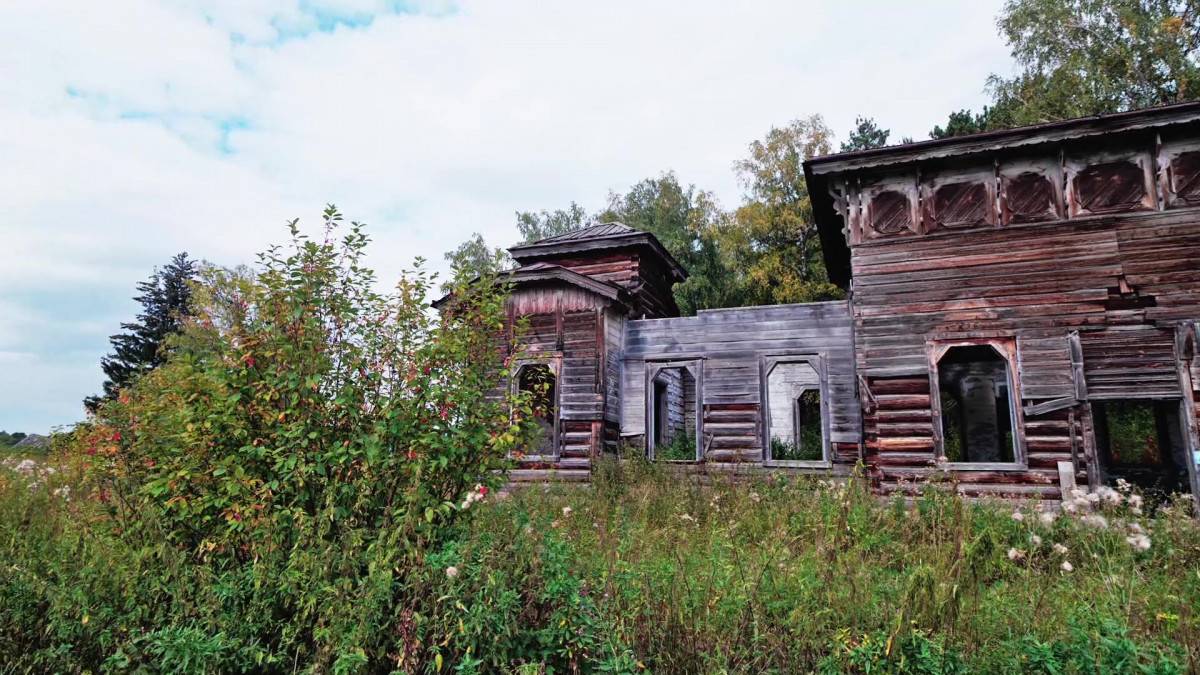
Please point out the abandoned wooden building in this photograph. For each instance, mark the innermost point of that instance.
(1020, 318)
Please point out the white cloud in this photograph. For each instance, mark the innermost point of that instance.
(132, 130)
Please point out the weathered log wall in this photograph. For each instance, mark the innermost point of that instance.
(733, 344)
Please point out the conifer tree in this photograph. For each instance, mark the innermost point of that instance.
(166, 300)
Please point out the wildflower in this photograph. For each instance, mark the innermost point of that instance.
(1067, 566)
(687, 517)
(1035, 540)
(1015, 554)
(1109, 495)
(1060, 549)
(1069, 507)
(1018, 516)
(452, 571)
(26, 466)
(1137, 528)
(64, 492)
(1095, 520)
(1123, 485)
(1135, 501)
(1093, 497)
(755, 497)
(566, 511)
(1047, 518)
(1139, 542)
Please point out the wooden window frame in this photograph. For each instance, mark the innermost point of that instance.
(817, 362)
(552, 360)
(1007, 349)
(1187, 354)
(695, 367)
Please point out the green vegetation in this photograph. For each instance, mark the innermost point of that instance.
(681, 448)
(641, 572)
(8, 440)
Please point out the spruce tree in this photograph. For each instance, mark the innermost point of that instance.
(166, 300)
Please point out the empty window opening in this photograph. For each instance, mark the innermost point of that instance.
(1141, 441)
(794, 415)
(539, 383)
(674, 410)
(976, 406)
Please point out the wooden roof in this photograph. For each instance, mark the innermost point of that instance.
(596, 237)
(541, 272)
(820, 171)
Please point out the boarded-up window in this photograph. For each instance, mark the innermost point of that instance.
(976, 406)
(890, 212)
(1142, 442)
(538, 384)
(1029, 198)
(1185, 177)
(794, 413)
(960, 205)
(1110, 187)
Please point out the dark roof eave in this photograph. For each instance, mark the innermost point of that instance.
(535, 250)
(990, 141)
(552, 273)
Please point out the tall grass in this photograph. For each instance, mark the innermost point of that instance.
(646, 571)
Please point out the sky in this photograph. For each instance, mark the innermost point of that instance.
(131, 130)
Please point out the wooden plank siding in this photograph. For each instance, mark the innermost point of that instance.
(731, 344)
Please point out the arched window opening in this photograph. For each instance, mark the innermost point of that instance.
(976, 406)
(538, 382)
(795, 424)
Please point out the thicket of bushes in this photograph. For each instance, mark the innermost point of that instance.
(308, 485)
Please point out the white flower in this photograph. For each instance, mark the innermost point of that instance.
(26, 466)
(1137, 528)
(1123, 485)
(1047, 517)
(1015, 554)
(1139, 541)
(1018, 516)
(452, 571)
(1067, 566)
(64, 492)
(465, 505)
(1078, 493)
(687, 517)
(1060, 549)
(755, 497)
(1069, 507)
(1135, 501)
(566, 511)
(1095, 520)
(1093, 497)
(1035, 540)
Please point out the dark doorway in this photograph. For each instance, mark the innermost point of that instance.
(539, 383)
(1142, 442)
(976, 405)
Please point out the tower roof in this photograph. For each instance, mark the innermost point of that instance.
(597, 237)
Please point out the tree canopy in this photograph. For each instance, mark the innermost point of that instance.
(166, 301)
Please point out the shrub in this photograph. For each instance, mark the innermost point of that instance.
(282, 477)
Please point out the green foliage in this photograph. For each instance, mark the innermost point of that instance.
(166, 299)
(773, 242)
(541, 225)
(680, 448)
(687, 221)
(7, 439)
(1085, 57)
(962, 122)
(865, 135)
(644, 571)
(475, 258)
(271, 491)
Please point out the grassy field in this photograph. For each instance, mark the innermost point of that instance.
(643, 571)
(793, 575)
